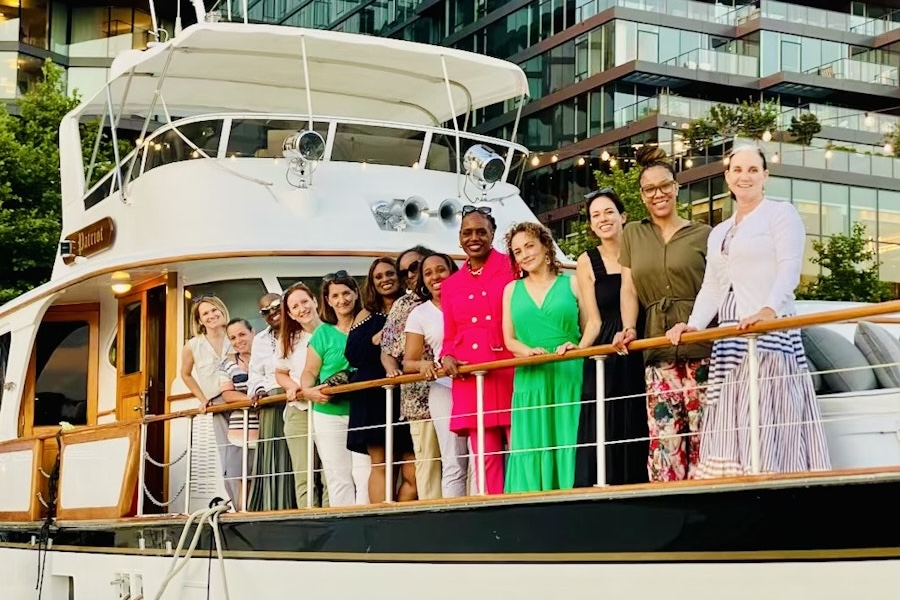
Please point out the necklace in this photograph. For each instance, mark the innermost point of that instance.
(474, 272)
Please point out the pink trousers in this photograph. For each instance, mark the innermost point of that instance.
(494, 459)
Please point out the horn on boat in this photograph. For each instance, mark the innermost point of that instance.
(415, 211)
(450, 211)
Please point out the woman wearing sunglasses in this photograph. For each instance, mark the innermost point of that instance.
(473, 333)
(367, 407)
(346, 472)
(233, 377)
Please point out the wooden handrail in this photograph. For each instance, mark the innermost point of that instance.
(706, 335)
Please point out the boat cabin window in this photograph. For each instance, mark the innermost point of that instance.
(5, 341)
(241, 297)
(106, 184)
(377, 145)
(442, 152)
(131, 353)
(61, 368)
(170, 145)
(263, 138)
(314, 282)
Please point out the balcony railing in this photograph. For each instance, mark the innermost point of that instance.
(700, 11)
(702, 59)
(857, 70)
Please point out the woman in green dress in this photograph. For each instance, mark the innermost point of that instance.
(542, 313)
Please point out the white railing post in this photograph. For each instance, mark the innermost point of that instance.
(187, 466)
(142, 468)
(245, 454)
(310, 458)
(389, 443)
(600, 418)
(753, 364)
(479, 433)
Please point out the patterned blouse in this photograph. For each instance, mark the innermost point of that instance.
(413, 396)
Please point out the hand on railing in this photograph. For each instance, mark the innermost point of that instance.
(428, 369)
(563, 348)
(674, 334)
(764, 314)
(451, 366)
(622, 339)
(314, 394)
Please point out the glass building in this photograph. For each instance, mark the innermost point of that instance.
(605, 76)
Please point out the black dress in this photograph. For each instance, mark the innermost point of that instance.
(367, 414)
(626, 418)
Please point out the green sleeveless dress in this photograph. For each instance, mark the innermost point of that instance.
(546, 398)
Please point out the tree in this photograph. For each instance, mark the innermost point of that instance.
(805, 128)
(30, 198)
(893, 138)
(628, 188)
(852, 270)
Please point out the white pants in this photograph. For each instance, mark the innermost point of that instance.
(346, 472)
(454, 449)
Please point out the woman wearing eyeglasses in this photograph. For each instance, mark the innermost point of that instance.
(663, 259)
(346, 472)
(299, 320)
(599, 277)
(367, 407)
(233, 382)
(200, 360)
(473, 333)
(755, 258)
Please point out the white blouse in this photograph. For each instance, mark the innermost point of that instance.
(760, 258)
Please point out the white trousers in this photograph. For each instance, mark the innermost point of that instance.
(454, 449)
(346, 472)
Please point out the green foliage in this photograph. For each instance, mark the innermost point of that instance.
(851, 270)
(748, 119)
(628, 188)
(805, 128)
(30, 198)
(893, 138)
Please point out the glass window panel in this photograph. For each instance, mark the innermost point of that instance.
(864, 208)
(86, 80)
(87, 36)
(169, 146)
(33, 27)
(377, 145)
(770, 53)
(778, 188)
(8, 75)
(263, 138)
(59, 28)
(625, 42)
(141, 30)
(889, 255)
(9, 22)
(889, 217)
(131, 353)
(241, 297)
(806, 198)
(61, 369)
(5, 341)
(835, 209)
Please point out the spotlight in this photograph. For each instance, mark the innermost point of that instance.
(120, 282)
(304, 145)
(483, 164)
(767, 136)
(604, 156)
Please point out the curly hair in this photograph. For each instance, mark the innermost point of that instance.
(648, 157)
(543, 236)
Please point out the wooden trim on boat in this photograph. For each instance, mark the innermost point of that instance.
(53, 288)
(706, 335)
(106, 413)
(131, 430)
(34, 507)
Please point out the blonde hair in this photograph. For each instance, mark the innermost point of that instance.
(198, 328)
(542, 234)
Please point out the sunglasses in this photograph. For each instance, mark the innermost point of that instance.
(412, 268)
(468, 209)
(202, 298)
(271, 308)
(597, 193)
(240, 378)
(342, 274)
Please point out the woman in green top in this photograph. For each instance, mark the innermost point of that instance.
(663, 259)
(541, 314)
(346, 472)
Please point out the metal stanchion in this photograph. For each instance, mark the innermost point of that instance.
(245, 453)
(142, 468)
(753, 364)
(187, 468)
(310, 458)
(389, 443)
(479, 419)
(600, 365)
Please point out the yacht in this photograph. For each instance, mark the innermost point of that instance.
(268, 155)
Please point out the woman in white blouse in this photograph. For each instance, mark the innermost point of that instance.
(753, 266)
(300, 317)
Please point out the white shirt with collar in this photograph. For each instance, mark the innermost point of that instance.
(761, 261)
(262, 362)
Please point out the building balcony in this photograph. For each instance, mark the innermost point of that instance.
(702, 59)
(857, 70)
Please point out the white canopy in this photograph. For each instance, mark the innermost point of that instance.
(224, 67)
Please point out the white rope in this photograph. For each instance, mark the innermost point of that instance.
(205, 516)
(163, 465)
(160, 503)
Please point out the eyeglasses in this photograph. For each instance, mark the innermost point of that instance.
(271, 308)
(468, 209)
(726, 241)
(666, 188)
(342, 274)
(597, 193)
(412, 268)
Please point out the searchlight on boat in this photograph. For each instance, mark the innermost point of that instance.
(302, 149)
(484, 165)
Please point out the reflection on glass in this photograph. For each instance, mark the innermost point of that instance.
(241, 297)
(131, 353)
(61, 367)
(168, 146)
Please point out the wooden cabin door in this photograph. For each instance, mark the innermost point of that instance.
(141, 368)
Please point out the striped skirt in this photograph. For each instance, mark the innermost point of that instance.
(791, 435)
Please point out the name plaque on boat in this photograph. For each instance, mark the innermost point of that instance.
(90, 240)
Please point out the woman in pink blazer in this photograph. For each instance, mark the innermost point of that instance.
(473, 333)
